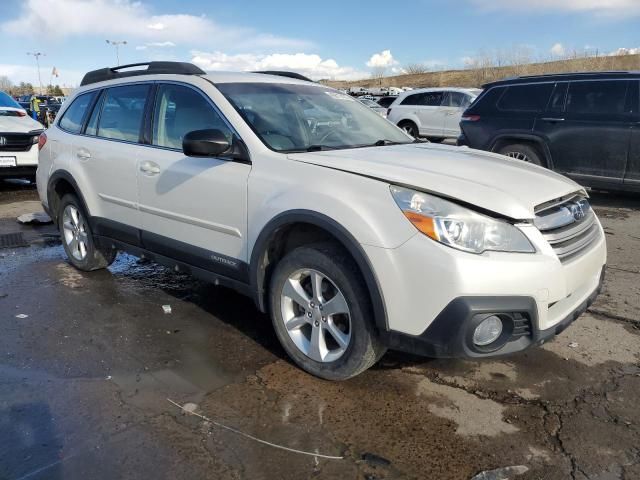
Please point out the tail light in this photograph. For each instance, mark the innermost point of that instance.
(470, 118)
(21, 113)
(42, 139)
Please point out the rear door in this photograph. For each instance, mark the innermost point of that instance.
(108, 152)
(632, 174)
(590, 139)
(453, 105)
(431, 113)
(193, 209)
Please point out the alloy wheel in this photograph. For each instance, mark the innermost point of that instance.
(518, 156)
(316, 315)
(75, 232)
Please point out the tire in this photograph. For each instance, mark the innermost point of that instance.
(523, 152)
(77, 237)
(342, 283)
(436, 139)
(409, 127)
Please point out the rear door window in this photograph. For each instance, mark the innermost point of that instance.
(424, 99)
(456, 99)
(74, 116)
(123, 112)
(594, 98)
(557, 100)
(526, 98)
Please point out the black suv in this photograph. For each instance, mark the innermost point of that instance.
(584, 125)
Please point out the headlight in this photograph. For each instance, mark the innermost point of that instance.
(459, 227)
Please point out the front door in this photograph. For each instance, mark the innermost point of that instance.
(589, 140)
(193, 209)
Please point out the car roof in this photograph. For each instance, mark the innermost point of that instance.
(443, 89)
(558, 77)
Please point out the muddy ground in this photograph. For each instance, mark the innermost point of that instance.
(88, 361)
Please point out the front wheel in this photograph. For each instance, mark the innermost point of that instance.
(77, 238)
(321, 313)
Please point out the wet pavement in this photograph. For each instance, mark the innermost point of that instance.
(88, 361)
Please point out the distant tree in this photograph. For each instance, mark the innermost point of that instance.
(57, 91)
(416, 68)
(23, 89)
(5, 83)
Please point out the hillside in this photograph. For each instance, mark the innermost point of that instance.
(479, 76)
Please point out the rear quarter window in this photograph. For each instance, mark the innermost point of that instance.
(525, 98)
(74, 116)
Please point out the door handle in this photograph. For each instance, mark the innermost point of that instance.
(83, 154)
(552, 120)
(150, 168)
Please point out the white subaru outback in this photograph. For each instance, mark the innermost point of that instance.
(352, 235)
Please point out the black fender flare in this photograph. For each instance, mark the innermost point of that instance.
(53, 180)
(537, 139)
(257, 271)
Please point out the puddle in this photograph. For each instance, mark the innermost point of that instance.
(474, 416)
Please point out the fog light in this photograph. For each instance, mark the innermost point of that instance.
(488, 331)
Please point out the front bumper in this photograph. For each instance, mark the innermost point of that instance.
(450, 334)
(26, 163)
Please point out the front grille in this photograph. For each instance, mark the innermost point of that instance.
(570, 226)
(16, 142)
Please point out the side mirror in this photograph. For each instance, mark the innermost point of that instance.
(205, 143)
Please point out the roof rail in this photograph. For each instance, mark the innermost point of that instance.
(153, 68)
(567, 74)
(279, 73)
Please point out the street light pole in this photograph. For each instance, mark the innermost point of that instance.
(38, 55)
(117, 43)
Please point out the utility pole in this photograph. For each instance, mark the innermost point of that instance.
(117, 43)
(38, 55)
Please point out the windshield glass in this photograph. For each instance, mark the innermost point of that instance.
(7, 101)
(290, 117)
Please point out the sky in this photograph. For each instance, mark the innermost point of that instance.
(337, 39)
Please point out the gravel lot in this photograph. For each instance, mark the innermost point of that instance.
(88, 361)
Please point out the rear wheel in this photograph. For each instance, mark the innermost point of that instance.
(77, 237)
(521, 152)
(321, 313)
(409, 127)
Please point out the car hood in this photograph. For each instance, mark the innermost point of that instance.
(18, 124)
(502, 185)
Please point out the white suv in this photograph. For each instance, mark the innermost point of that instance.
(434, 113)
(352, 235)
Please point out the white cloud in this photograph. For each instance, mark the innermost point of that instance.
(310, 65)
(558, 50)
(127, 19)
(383, 59)
(601, 7)
(155, 45)
(626, 51)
